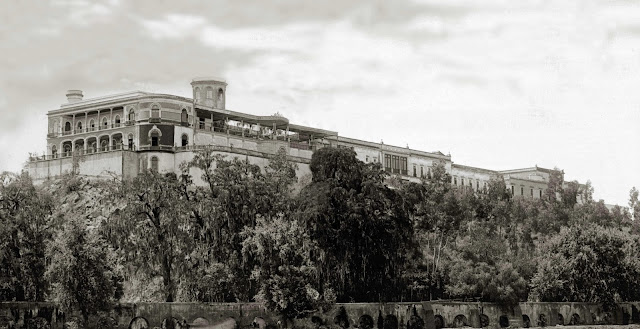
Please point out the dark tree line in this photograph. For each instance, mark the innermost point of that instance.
(249, 234)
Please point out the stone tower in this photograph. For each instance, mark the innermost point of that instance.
(209, 92)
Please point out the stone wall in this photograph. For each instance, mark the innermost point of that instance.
(419, 315)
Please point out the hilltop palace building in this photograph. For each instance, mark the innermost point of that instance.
(121, 135)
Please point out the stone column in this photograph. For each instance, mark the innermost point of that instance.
(98, 121)
(73, 127)
(110, 119)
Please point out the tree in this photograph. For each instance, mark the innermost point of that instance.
(587, 264)
(236, 194)
(152, 232)
(26, 225)
(82, 271)
(482, 266)
(285, 272)
(359, 225)
(436, 212)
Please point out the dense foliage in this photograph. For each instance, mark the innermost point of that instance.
(226, 230)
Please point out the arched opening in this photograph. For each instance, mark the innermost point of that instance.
(185, 140)
(438, 321)
(117, 121)
(66, 147)
(542, 320)
(484, 320)
(132, 115)
(365, 322)
(67, 126)
(54, 152)
(560, 319)
(526, 322)
(154, 163)
(116, 141)
(220, 98)
(184, 117)
(105, 123)
(635, 315)
(460, 321)
(104, 145)
(155, 111)
(79, 127)
(625, 317)
(575, 319)
(342, 319)
(92, 145)
(390, 322)
(92, 125)
(172, 323)
(79, 146)
(504, 321)
(130, 141)
(415, 321)
(37, 322)
(139, 323)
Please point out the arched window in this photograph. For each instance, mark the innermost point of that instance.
(117, 121)
(92, 125)
(184, 117)
(94, 147)
(54, 152)
(132, 115)
(79, 126)
(105, 123)
(55, 128)
(67, 126)
(185, 140)
(198, 96)
(220, 98)
(155, 111)
(154, 163)
(209, 93)
(67, 150)
(104, 145)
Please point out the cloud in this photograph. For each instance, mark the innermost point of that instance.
(499, 84)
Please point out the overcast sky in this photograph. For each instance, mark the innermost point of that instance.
(499, 84)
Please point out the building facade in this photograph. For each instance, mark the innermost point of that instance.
(124, 134)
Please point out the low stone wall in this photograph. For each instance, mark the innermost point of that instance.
(422, 315)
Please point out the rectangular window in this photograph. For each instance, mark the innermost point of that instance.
(415, 171)
(477, 185)
(540, 193)
(521, 190)
(532, 193)
(455, 180)
(512, 191)
(462, 181)
(367, 159)
(387, 162)
(421, 171)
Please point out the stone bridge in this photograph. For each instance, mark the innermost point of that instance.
(418, 315)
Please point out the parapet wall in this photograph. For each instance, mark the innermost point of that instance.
(419, 315)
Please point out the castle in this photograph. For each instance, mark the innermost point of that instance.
(121, 135)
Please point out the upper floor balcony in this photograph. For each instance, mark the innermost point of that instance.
(91, 129)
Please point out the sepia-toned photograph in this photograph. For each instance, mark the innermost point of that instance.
(352, 164)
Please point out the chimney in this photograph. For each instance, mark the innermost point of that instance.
(74, 96)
